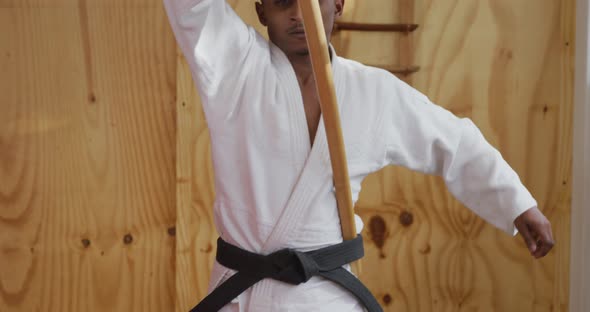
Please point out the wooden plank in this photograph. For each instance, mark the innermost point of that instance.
(57, 4)
(196, 232)
(580, 244)
(86, 158)
(478, 59)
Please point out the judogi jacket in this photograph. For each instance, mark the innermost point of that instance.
(274, 190)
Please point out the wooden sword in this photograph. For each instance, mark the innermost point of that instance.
(322, 70)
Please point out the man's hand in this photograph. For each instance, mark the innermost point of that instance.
(536, 231)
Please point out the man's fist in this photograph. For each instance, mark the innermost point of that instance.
(536, 231)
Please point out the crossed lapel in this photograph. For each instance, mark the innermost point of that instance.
(317, 169)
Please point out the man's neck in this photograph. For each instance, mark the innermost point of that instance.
(303, 67)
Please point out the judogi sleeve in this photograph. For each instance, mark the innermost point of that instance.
(427, 138)
(212, 37)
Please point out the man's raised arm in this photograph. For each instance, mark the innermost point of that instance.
(213, 38)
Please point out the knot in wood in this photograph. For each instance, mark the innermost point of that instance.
(387, 299)
(127, 239)
(86, 242)
(406, 219)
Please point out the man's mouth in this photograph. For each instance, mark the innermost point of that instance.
(298, 33)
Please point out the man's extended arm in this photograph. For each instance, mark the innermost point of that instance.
(432, 140)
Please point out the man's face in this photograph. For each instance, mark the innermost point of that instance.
(285, 24)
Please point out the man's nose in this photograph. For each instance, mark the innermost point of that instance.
(296, 12)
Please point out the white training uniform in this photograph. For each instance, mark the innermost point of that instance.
(275, 191)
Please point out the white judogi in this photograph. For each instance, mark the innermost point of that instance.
(274, 191)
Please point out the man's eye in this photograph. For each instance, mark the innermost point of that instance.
(283, 3)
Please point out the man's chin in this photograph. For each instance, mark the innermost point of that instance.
(302, 52)
(298, 50)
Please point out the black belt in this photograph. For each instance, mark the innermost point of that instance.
(288, 266)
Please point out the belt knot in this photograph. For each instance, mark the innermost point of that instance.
(291, 266)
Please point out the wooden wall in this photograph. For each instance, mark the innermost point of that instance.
(580, 240)
(507, 65)
(105, 178)
(87, 156)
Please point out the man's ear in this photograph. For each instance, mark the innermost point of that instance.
(260, 12)
(339, 7)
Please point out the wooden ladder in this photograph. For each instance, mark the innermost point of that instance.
(406, 65)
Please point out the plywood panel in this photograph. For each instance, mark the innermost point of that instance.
(506, 65)
(195, 193)
(87, 136)
(580, 243)
(103, 149)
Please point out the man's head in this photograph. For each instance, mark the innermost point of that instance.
(285, 24)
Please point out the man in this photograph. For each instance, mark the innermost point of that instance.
(272, 171)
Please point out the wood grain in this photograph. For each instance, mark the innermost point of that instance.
(506, 65)
(580, 243)
(195, 193)
(106, 184)
(86, 157)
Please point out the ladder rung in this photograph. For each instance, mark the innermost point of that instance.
(397, 69)
(376, 27)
